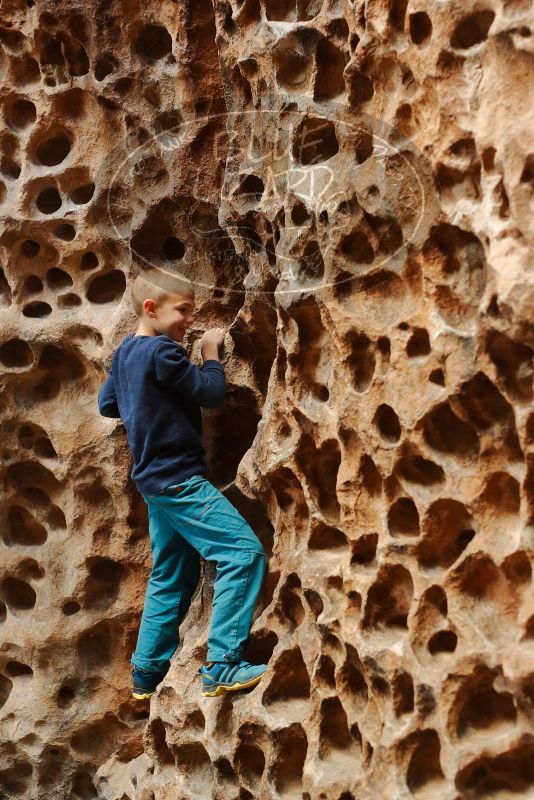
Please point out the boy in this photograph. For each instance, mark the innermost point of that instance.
(158, 393)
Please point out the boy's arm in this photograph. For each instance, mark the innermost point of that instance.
(205, 385)
(107, 399)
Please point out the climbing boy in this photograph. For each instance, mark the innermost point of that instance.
(158, 394)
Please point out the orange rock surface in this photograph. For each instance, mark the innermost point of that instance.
(350, 187)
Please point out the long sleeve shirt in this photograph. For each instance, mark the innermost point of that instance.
(158, 395)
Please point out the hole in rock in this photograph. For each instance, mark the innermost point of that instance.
(249, 761)
(324, 537)
(330, 60)
(389, 598)
(157, 736)
(363, 145)
(352, 681)
(483, 403)
(33, 284)
(300, 214)
(48, 200)
(437, 376)
(414, 468)
(442, 642)
(18, 594)
(509, 774)
(514, 363)
(361, 360)
(23, 529)
(418, 344)
(446, 432)
(107, 287)
(289, 10)
(153, 41)
(65, 232)
(16, 353)
(361, 88)
(103, 583)
(473, 29)
(447, 530)
(311, 267)
(82, 194)
(169, 121)
(290, 680)
(21, 113)
(293, 59)
(69, 300)
(364, 549)
(325, 671)
(29, 248)
(517, 569)
(357, 248)
(193, 760)
(291, 608)
(403, 518)
(480, 706)
(291, 746)
(370, 477)
(17, 669)
(89, 261)
(226, 450)
(420, 27)
(315, 141)
(57, 279)
(71, 607)
(65, 697)
(334, 731)
(387, 423)
(260, 646)
(105, 66)
(64, 363)
(314, 601)
(95, 646)
(251, 186)
(96, 738)
(403, 694)
(320, 466)
(424, 767)
(5, 690)
(173, 249)
(37, 309)
(54, 150)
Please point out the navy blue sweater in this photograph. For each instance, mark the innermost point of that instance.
(157, 392)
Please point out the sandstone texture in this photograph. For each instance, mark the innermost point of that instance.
(350, 187)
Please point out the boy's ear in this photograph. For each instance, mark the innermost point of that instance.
(148, 305)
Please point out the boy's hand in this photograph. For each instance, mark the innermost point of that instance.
(210, 342)
(212, 337)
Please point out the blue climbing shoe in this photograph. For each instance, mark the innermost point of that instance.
(221, 677)
(145, 683)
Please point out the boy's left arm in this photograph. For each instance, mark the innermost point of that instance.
(107, 399)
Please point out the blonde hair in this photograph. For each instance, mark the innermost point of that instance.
(157, 284)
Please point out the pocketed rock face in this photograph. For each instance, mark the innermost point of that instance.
(350, 186)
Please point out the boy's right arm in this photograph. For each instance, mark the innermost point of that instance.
(204, 386)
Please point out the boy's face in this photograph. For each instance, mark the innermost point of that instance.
(174, 315)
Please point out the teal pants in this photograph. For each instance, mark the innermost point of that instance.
(187, 521)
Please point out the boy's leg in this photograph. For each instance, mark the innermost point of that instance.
(174, 577)
(216, 529)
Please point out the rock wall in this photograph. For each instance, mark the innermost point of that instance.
(350, 186)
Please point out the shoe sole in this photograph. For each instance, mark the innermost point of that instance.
(143, 696)
(233, 688)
